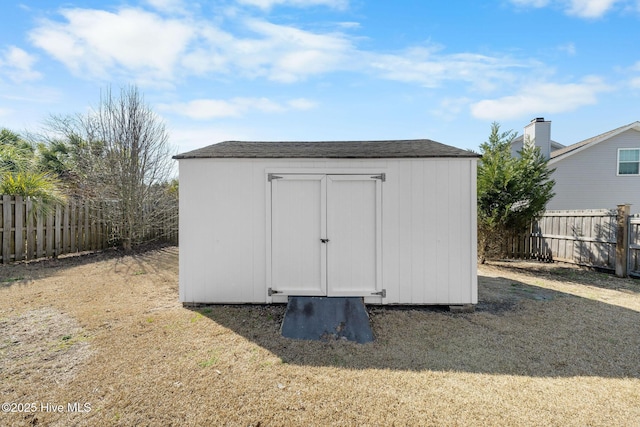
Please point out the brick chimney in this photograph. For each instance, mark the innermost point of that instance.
(538, 132)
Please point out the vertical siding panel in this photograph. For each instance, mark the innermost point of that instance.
(246, 242)
(442, 195)
(418, 220)
(258, 231)
(473, 246)
(405, 224)
(457, 240)
(429, 210)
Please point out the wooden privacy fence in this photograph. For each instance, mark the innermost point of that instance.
(607, 239)
(29, 234)
(77, 226)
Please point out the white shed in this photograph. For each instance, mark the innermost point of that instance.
(393, 222)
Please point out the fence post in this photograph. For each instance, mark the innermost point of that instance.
(622, 235)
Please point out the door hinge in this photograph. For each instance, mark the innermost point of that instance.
(271, 177)
(272, 291)
(382, 293)
(382, 177)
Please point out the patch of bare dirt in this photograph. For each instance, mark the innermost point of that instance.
(42, 344)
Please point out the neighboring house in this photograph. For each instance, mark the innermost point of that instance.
(598, 173)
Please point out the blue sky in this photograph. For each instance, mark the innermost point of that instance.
(329, 69)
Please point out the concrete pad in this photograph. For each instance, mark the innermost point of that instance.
(322, 318)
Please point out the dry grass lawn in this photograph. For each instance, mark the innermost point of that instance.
(547, 345)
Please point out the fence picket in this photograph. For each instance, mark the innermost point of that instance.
(40, 244)
(73, 229)
(18, 234)
(633, 259)
(65, 229)
(57, 233)
(6, 229)
(30, 230)
(50, 234)
(85, 241)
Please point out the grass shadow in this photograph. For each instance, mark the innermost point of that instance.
(25, 272)
(578, 275)
(517, 329)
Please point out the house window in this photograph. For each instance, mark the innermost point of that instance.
(629, 161)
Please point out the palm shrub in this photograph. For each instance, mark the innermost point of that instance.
(21, 175)
(42, 188)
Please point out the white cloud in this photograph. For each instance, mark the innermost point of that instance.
(541, 98)
(203, 109)
(287, 54)
(568, 48)
(17, 65)
(349, 24)
(302, 104)
(430, 68)
(96, 41)
(148, 47)
(214, 51)
(449, 108)
(582, 8)
(268, 4)
(590, 8)
(278, 52)
(634, 82)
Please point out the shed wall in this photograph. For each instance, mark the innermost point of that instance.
(428, 227)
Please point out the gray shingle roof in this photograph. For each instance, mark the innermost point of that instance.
(597, 138)
(327, 149)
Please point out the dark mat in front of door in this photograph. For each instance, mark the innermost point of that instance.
(326, 318)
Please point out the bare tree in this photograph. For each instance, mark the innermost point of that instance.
(123, 155)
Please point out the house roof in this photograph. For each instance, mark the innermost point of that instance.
(555, 145)
(579, 146)
(327, 149)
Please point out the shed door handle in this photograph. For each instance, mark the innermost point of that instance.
(324, 240)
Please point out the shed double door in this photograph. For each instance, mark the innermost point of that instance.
(325, 235)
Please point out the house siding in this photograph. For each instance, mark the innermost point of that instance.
(428, 227)
(588, 179)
